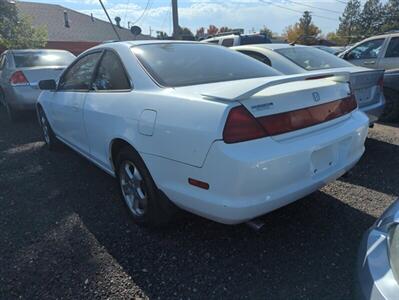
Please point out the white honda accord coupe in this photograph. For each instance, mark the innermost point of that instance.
(202, 127)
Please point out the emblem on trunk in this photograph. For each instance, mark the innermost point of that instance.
(316, 96)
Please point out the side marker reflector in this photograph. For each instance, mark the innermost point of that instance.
(198, 183)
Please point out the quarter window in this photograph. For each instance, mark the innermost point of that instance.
(2, 61)
(80, 75)
(393, 48)
(369, 49)
(258, 56)
(111, 74)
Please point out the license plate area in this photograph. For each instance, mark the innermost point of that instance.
(363, 95)
(323, 159)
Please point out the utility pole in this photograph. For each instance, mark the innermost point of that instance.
(175, 19)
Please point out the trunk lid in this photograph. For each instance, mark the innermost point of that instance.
(34, 75)
(364, 83)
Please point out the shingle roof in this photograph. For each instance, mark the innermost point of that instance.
(82, 27)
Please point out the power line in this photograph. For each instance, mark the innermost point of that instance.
(295, 10)
(320, 8)
(343, 2)
(143, 13)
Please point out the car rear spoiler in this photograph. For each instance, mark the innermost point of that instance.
(244, 89)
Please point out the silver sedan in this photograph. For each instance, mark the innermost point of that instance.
(378, 260)
(289, 59)
(20, 73)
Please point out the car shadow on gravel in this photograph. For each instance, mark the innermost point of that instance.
(380, 167)
(63, 223)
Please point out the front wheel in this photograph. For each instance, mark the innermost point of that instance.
(48, 135)
(145, 203)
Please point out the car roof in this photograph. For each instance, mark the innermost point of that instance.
(384, 35)
(271, 46)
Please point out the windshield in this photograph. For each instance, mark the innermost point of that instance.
(312, 59)
(42, 59)
(182, 64)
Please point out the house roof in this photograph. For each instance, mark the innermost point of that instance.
(82, 27)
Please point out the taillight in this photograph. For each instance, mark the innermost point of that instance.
(306, 117)
(18, 78)
(241, 126)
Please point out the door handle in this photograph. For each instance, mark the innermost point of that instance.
(369, 62)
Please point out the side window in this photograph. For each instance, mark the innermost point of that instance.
(393, 48)
(228, 42)
(258, 56)
(80, 75)
(369, 49)
(111, 74)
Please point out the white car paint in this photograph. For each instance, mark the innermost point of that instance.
(178, 132)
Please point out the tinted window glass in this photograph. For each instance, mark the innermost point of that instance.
(111, 74)
(311, 58)
(180, 64)
(228, 42)
(42, 59)
(369, 49)
(258, 56)
(214, 42)
(393, 48)
(254, 39)
(79, 76)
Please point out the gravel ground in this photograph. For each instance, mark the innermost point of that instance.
(66, 234)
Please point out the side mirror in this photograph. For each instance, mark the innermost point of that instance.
(48, 85)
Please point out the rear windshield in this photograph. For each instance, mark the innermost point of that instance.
(42, 59)
(179, 64)
(311, 58)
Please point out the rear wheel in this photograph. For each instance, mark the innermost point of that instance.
(48, 135)
(391, 109)
(146, 204)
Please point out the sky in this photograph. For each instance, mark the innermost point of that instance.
(248, 14)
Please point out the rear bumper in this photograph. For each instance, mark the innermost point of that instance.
(252, 178)
(22, 97)
(374, 111)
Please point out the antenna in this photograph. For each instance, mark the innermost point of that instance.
(113, 27)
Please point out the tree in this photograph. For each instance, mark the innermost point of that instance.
(161, 35)
(391, 13)
(350, 22)
(212, 30)
(185, 34)
(225, 29)
(16, 31)
(371, 18)
(266, 32)
(200, 33)
(334, 37)
(303, 31)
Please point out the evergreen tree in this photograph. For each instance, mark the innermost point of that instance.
(371, 18)
(16, 31)
(349, 26)
(304, 31)
(391, 12)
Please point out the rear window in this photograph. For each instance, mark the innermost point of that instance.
(254, 39)
(42, 59)
(178, 64)
(311, 58)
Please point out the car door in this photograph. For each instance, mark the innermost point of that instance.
(68, 101)
(391, 57)
(110, 91)
(367, 53)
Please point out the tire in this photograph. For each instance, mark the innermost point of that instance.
(48, 134)
(12, 114)
(391, 109)
(146, 204)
